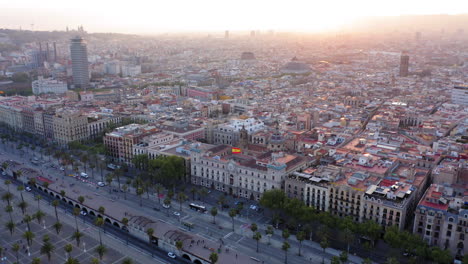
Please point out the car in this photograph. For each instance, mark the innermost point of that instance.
(101, 184)
(166, 206)
(84, 175)
(253, 207)
(28, 189)
(171, 255)
(83, 213)
(62, 169)
(4, 173)
(176, 213)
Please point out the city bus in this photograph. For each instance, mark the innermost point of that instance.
(198, 208)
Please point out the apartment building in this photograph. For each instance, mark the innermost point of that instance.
(242, 175)
(69, 125)
(441, 217)
(120, 142)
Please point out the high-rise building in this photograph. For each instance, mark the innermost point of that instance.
(226, 34)
(404, 65)
(460, 95)
(79, 57)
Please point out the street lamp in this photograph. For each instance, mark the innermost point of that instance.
(43, 222)
(84, 247)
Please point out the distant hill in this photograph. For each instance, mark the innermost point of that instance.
(19, 37)
(412, 23)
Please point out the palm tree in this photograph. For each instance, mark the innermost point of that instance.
(300, 236)
(125, 189)
(20, 189)
(7, 197)
(58, 226)
(125, 223)
(159, 189)
(181, 197)
(81, 199)
(127, 261)
(39, 215)
(100, 223)
(285, 247)
(71, 261)
(7, 183)
(23, 205)
(269, 232)
(29, 236)
(257, 236)
(55, 203)
(203, 193)
(101, 250)
(36, 261)
(179, 245)
(11, 227)
(232, 214)
(68, 249)
(47, 248)
(16, 247)
(213, 258)
(77, 235)
(9, 210)
(27, 219)
(109, 179)
(76, 213)
(214, 212)
(38, 198)
(18, 174)
(94, 261)
(167, 203)
(140, 192)
(150, 232)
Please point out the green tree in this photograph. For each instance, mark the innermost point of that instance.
(257, 236)
(181, 197)
(367, 261)
(47, 249)
(253, 227)
(179, 245)
(77, 235)
(29, 236)
(232, 214)
(285, 234)
(269, 232)
(36, 261)
(274, 200)
(101, 250)
(167, 203)
(55, 203)
(150, 232)
(300, 236)
(71, 261)
(324, 244)
(335, 260)
(10, 225)
(285, 248)
(68, 249)
(125, 223)
(214, 212)
(58, 227)
(140, 192)
(213, 257)
(15, 247)
(392, 260)
(99, 222)
(344, 257)
(127, 261)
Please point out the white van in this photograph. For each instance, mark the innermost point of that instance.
(84, 175)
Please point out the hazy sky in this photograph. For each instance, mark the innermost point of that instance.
(152, 16)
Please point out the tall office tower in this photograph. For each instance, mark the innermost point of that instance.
(55, 52)
(79, 57)
(226, 34)
(404, 64)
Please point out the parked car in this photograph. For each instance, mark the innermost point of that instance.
(171, 255)
(28, 189)
(84, 175)
(101, 184)
(83, 213)
(166, 206)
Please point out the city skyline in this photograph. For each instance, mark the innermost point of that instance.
(144, 17)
